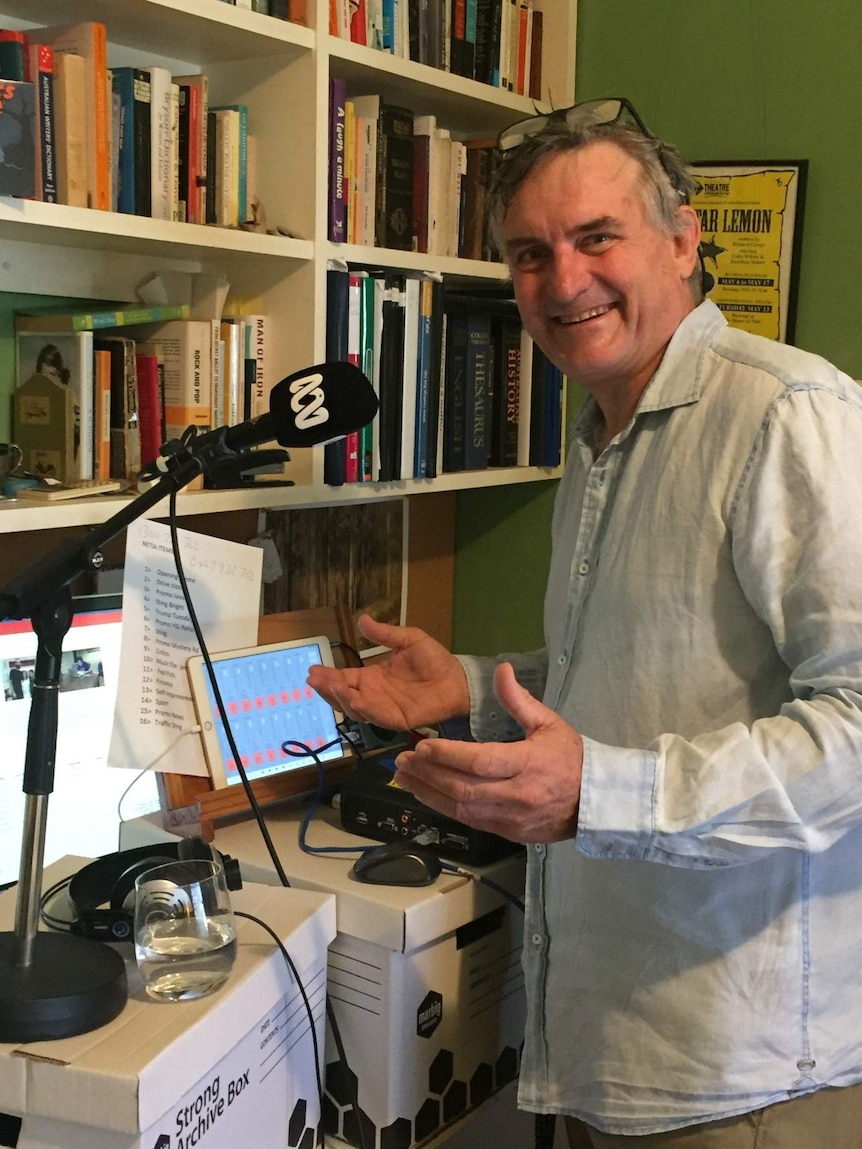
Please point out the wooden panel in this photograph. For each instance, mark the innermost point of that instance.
(431, 530)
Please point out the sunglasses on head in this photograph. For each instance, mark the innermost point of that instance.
(591, 112)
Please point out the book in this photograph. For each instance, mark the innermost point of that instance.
(337, 184)
(506, 337)
(67, 358)
(225, 166)
(186, 347)
(354, 355)
(46, 320)
(88, 39)
(536, 55)
(455, 391)
(410, 376)
(479, 374)
(150, 401)
(366, 365)
(13, 54)
(17, 142)
(70, 80)
(235, 160)
(367, 112)
(125, 433)
(337, 290)
(102, 412)
(161, 143)
(198, 105)
(41, 65)
(394, 188)
(132, 86)
(43, 424)
(232, 335)
(391, 377)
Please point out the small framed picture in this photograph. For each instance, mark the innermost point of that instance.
(751, 237)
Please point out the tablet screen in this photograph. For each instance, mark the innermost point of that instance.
(267, 703)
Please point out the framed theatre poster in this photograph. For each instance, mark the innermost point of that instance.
(751, 223)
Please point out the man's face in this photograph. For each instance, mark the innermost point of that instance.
(600, 288)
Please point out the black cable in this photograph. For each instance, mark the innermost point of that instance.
(193, 618)
(252, 798)
(292, 967)
(58, 924)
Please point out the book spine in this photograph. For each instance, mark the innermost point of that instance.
(42, 74)
(13, 54)
(478, 382)
(536, 55)
(175, 155)
(101, 132)
(161, 124)
(71, 129)
(354, 354)
(122, 84)
(455, 394)
(150, 407)
(337, 284)
(337, 196)
(142, 141)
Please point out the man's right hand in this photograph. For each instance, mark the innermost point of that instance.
(420, 683)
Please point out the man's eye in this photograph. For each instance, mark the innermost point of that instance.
(529, 257)
(597, 239)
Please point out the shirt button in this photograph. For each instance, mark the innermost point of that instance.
(562, 660)
(537, 939)
(583, 567)
(539, 848)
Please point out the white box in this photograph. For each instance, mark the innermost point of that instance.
(234, 1070)
(426, 985)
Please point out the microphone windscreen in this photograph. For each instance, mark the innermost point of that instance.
(322, 403)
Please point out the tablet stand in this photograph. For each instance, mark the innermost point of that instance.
(180, 791)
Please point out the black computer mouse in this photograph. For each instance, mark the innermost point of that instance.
(399, 863)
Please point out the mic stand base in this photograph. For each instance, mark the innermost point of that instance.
(71, 986)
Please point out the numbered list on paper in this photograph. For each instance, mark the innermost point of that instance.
(155, 711)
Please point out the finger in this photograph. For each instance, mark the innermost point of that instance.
(380, 633)
(487, 761)
(523, 707)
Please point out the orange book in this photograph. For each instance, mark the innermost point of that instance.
(102, 446)
(88, 39)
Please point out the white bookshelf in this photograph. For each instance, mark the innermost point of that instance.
(281, 71)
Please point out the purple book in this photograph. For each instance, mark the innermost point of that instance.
(337, 185)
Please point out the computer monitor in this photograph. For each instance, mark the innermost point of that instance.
(82, 810)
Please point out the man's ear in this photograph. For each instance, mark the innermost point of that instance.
(687, 240)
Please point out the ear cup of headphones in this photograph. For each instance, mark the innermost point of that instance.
(197, 849)
(122, 892)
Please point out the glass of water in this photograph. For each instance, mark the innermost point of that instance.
(185, 935)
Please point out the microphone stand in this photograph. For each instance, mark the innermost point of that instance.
(55, 985)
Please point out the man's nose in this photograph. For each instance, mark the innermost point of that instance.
(568, 274)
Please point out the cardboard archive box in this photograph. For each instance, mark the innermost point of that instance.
(234, 1070)
(426, 985)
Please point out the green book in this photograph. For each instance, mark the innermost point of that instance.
(98, 320)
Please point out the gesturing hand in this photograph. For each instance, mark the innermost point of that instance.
(419, 683)
(525, 791)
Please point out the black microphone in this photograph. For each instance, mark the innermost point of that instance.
(307, 409)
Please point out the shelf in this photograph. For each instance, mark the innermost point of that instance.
(464, 105)
(81, 227)
(206, 31)
(17, 516)
(416, 261)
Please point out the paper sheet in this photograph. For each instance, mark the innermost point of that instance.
(154, 704)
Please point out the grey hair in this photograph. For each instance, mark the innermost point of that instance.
(665, 180)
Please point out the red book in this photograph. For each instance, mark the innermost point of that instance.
(149, 406)
(357, 23)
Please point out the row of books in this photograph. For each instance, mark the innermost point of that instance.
(461, 385)
(133, 140)
(497, 42)
(97, 395)
(401, 181)
(294, 10)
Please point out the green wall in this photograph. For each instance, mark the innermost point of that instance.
(724, 80)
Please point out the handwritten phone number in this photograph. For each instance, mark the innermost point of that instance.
(219, 567)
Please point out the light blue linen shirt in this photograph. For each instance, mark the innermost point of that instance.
(696, 950)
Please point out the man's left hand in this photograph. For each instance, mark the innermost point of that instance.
(525, 791)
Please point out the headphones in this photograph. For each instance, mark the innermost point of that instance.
(111, 879)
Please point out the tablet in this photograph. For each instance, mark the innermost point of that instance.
(264, 692)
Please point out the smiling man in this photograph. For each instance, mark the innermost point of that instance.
(683, 755)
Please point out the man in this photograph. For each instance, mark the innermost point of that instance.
(689, 786)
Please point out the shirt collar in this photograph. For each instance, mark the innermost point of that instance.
(678, 378)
